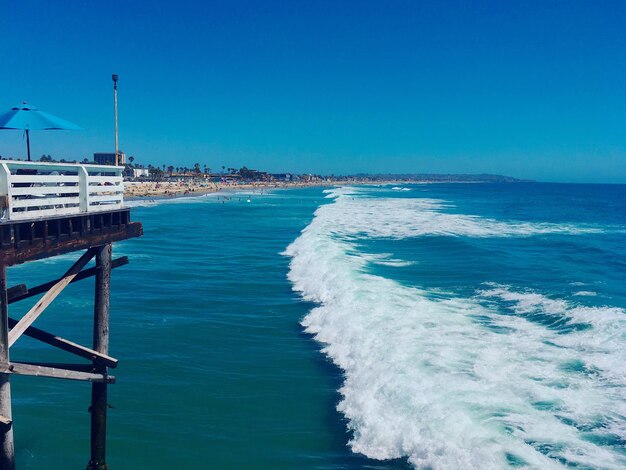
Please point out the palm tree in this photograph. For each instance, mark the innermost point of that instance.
(131, 159)
(170, 169)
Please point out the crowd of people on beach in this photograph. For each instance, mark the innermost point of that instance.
(149, 189)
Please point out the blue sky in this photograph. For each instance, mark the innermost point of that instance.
(533, 89)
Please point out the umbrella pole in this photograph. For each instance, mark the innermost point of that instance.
(28, 143)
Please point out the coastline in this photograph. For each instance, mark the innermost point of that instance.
(173, 189)
(166, 189)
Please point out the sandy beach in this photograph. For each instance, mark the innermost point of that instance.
(133, 189)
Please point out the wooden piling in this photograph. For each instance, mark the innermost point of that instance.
(7, 452)
(101, 345)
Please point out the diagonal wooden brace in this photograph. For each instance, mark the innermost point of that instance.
(20, 292)
(66, 345)
(48, 297)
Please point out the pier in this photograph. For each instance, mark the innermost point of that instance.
(46, 210)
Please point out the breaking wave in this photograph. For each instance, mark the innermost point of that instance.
(354, 214)
(504, 379)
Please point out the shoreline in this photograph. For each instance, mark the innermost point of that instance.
(170, 190)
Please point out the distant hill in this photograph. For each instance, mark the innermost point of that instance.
(452, 178)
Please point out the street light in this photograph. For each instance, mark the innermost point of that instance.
(115, 78)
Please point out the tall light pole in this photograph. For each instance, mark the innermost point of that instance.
(117, 152)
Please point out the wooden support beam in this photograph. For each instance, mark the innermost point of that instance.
(20, 292)
(16, 291)
(99, 403)
(23, 368)
(48, 297)
(67, 345)
(63, 365)
(7, 451)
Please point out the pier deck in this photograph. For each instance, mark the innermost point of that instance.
(28, 240)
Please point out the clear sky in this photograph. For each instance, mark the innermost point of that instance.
(533, 89)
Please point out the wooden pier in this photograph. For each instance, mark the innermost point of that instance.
(47, 210)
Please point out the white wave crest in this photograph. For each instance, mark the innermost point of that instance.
(607, 324)
(386, 259)
(451, 382)
(414, 217)
(585, 293)
(342, 191)
(529, 302)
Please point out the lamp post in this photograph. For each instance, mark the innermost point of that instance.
(115, 78)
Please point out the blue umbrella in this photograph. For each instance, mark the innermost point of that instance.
(29, 118)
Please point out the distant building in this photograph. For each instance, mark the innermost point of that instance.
(109, 158)
(281, 176)
(130, 172)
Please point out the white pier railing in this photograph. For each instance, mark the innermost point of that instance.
(32, 190)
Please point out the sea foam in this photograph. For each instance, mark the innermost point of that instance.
(452, 382)
(354, 214)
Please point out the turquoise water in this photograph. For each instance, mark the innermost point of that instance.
(428, 326)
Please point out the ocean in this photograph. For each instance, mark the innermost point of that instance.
(430, 326)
